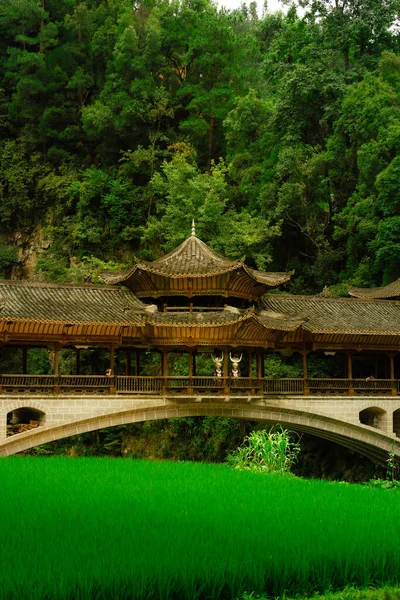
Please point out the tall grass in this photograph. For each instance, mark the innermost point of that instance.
(94, 529)
(268, 451)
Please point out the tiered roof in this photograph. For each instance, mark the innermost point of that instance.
(194, 269)
(98, 314)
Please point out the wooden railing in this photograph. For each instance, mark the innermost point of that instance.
(99, 384)
(283, 386)
(352, 387)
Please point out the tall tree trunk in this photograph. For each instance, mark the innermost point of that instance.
(41, 49)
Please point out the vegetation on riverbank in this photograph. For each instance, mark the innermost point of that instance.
(383, 593)
(101, 528)
(209, 440)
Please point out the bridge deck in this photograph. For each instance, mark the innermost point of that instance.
(98, 384)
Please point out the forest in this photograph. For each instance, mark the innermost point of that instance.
(120, 121)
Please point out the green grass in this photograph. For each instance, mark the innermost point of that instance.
(94, 529)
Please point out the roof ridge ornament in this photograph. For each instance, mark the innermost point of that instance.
(193, 228)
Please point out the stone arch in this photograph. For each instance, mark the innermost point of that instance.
(21, 412)
(23, 419)
(25, 404)
(373, 416)
(358, 437)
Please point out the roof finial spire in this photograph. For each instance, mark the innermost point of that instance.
(193, 228)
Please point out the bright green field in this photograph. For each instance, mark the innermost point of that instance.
(91, 529)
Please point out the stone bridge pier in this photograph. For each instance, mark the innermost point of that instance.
(369, 425)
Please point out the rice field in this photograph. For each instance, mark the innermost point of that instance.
(97, 529)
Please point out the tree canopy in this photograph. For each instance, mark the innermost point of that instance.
(121, 121)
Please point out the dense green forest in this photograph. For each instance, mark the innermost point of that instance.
(121, 120)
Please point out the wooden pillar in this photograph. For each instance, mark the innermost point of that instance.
(24, 360)
(349, 366)
(250, 364)
(128, 369)
(190, 363)
(78, 361)
(56, 359)
(391, 365)
(391, 370)
(55, 367)
(259, 357)
(349, 372)
(112, 388)
(164, 363)
(258, 364)
(164, 369)
(306, 389)
(262, 359)
(190, 372)
(112, 358)
(137, 363)
(226, 371)
(194, 362)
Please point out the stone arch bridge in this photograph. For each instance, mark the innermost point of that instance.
(368, 425)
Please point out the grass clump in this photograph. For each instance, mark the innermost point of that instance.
(274, 451)
(101, 529)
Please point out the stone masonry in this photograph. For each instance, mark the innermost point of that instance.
(333, 417)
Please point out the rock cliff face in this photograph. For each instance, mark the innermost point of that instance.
(30, 246)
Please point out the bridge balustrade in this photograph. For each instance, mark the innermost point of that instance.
(99, 384)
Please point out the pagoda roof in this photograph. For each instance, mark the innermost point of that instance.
(388, 291)
(267, 319)
(193, 259)
(338, 315)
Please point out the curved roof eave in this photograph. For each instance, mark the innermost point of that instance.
(388, 291)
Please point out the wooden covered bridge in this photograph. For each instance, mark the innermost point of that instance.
(189, 334)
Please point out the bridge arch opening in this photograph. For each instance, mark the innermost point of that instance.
(23, 419)
(373, 417)
(396, 422)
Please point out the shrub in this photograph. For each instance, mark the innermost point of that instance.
(267, 451)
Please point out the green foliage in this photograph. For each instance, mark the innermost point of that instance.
(384, 484)
(279, 135)
(8, 258)
(267, 452)
(349, 593)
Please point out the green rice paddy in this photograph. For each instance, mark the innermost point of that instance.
(94, 529)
